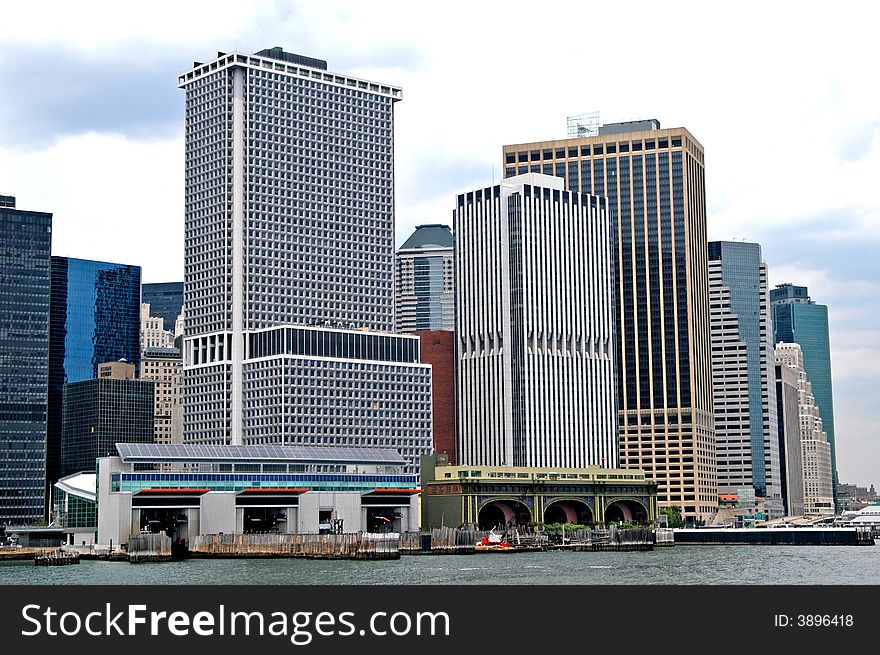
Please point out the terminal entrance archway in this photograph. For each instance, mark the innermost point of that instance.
(259, 520)
(503, 513)
(626, 511)
(170, 520)
(383, 519)
(568, 511)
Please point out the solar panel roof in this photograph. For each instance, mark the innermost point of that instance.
(151, 452)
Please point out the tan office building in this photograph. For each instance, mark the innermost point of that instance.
(655, 181)
(165, 366)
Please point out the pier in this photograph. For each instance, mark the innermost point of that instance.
(455, 541)
(56, 557)
(776, 536)
(363, 546)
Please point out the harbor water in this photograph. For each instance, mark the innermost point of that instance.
(677, 565)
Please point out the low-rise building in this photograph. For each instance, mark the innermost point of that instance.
(197, 489)
(502, 496)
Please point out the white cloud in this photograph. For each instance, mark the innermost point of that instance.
(113, 199)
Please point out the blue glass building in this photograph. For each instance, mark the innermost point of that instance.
(25, 245)
(166, 300)
(798, 319)
(95, 318)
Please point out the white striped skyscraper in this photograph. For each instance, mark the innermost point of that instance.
(535, 326)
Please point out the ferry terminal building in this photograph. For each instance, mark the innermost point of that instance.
(194, 489)
(491, 496)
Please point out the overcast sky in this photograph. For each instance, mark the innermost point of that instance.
(783, 97)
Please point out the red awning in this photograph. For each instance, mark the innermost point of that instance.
(275, 490)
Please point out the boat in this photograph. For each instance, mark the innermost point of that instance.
(494, 542)
(867, 517)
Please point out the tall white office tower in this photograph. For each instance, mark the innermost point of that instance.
(818, 484)
(289, 260)
(534, 321)
(743, 376)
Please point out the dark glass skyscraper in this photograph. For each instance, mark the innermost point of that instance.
(166, 299)
(100, 413)
(654, 180)
(798, 319)
(95, 318)
(25, 245)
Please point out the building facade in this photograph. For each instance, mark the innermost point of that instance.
(164, 366)
(798, 319)
(743, 377)
(94, 318)
(654, 180)
(289, 256)
(492, 497)
(438, 350)
(165, 300)
(535, 326)
(425, 281)
(790, 450)
(98, 413)
(153, 330)
(25, 244)
(191, 490)
(815, 448)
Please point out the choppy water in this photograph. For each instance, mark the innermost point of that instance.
(676, 565)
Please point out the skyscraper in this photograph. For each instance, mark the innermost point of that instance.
(815, 447)
(744, 381)
(94, 318)
(425, 281)
(535, 327)
(790, 449)
(165, 300)
(654, 181)
(289, 258)
(798, 319)
(25, 243)
(115, 407)
(155, 333)
(164, 367)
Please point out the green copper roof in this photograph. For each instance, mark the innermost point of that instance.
(429, 236)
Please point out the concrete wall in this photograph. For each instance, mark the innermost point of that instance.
(345, 506)
(292, 519)
(218, 512)
(114, 519)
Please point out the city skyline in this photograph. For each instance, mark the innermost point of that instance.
(124, 132)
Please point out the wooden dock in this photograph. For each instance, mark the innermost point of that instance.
(440, 541)
(148, 547)
(362, 546)
(455, 541)
(56, 557)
